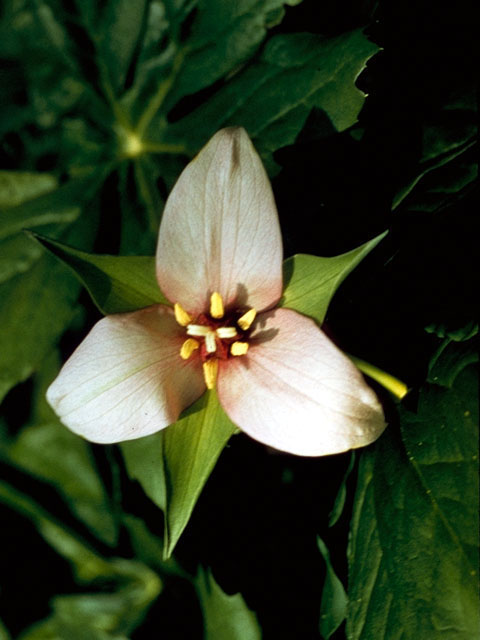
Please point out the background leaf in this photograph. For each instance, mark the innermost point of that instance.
(414, 545)
(273, 97)
(225, 617)
(333, 609)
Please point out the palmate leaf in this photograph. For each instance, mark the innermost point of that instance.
(273, 96)
(414, 548)
(221, 36)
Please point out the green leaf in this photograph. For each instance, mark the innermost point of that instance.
(52, 453)
(311, 281)
(21, 204)
(223, 36)
(449, 360)
(191, 448)
(116, 284)
(273, 96)
(458, 334)
(225, 617)
(333, 610)
(144, 462)
(37, 294)
(339, 503)
(122, 22)
(148, 548)
(414, 546)
(36, 308)
(135, 586)
(17, 187)
(448, 162)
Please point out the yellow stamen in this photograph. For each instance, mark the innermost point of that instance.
(239, 348)
(210, 342)
(245, 322)
(181, 316)
(199, 330)
(210, 371)
(216, 305)
(226, 332)
(188, 347)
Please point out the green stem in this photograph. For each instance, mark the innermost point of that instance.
(158, 98)
(389, 382)
(160, 147)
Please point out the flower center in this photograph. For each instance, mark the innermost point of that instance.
(216, 335)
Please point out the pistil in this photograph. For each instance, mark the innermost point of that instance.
(214, 336)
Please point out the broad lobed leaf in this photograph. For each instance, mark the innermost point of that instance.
(414, 549)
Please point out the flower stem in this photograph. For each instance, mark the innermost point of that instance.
(396, 387)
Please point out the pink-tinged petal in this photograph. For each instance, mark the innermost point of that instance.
(220, 230)
(126, 379)
(297, 392)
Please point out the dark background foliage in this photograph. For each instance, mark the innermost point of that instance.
(256, 522)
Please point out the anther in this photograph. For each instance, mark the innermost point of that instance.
(245, 321)
(188, 347)
(198, 330)
(210, 371)
(239, 348)
(216, 305)
(226, 332)
(181, 316)
(210, 342)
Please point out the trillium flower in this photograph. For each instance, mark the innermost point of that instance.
(219, 262)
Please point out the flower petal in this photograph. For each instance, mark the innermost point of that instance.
(126, 379)
(220, 230)
(297, 392)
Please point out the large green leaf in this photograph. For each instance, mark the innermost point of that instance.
(311, 281)
(225, 617)
(116, 283)
(273, 96)
(414, 547)
(191, 448)
(221, 36)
